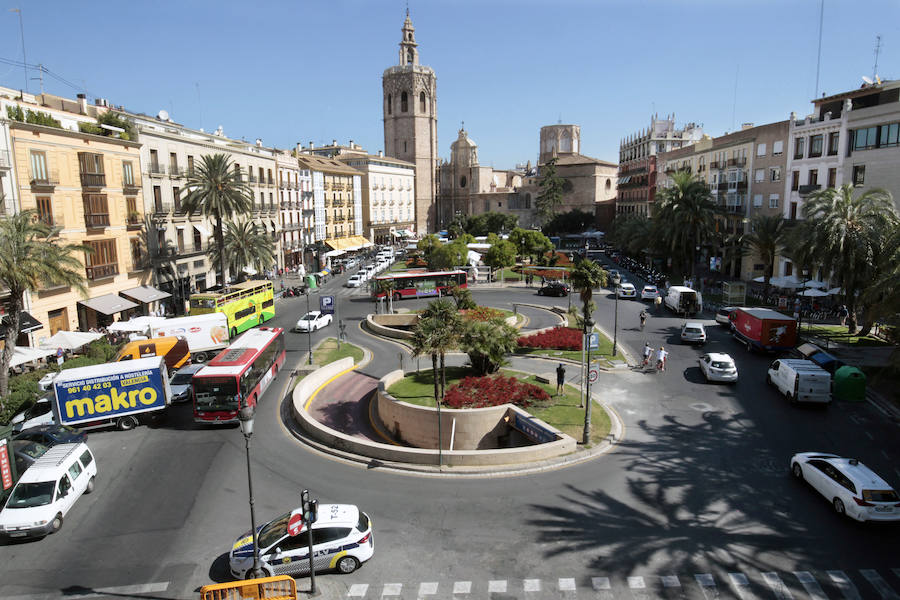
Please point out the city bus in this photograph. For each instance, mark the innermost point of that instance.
(246, 304)
(419, 284)
(238, 376)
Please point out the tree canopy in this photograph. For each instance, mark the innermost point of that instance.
(552, 189)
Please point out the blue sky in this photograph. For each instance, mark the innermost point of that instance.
(288, 71)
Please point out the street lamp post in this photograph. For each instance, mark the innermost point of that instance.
(588, 328)
(616, 324)
(245, 416)
(308, 332)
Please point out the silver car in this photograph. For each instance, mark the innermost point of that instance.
(718, 367)
(693, 333)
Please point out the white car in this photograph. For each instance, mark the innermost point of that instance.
(626, 290)
(313, 321)
(366, 273)
(649, 292)
(852, 488)
(693, 332)
(39, 413)
(342, 540)
(718, 367)
(355, 280)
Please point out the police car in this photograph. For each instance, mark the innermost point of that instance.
(342, 540)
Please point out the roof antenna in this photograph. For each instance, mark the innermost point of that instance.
(559, 120)
(877, 52)
(819, 54)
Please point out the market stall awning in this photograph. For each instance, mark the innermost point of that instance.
(145, 294)
(139, 324)
(27, 323)
(331, 253)
(25, 354)
(69, 340)
(108, 304)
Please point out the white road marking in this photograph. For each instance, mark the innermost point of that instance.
(462, 587)
(567, 584)
(532, 585)
(391, 589)
(497, 586)
(636, 583)
(777, 586)
(600, 583)
(428, 588)
(879, 584)
(705, 580)
(810, 584)
(843, 583)
(358, 590)
(740, 584)
(670, 581)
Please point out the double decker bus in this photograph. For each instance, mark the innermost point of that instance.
(238, 376)
(419, 284)
(246, 304)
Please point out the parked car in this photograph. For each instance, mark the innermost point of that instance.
(723, 315)
(614, 276)
(26, 452)
(342, 540)
(313, 321)
(180, 383)
(39, 413)
(351, 263)
(554, 288)
(852, 488)
(693, 332)
(52, 435)
(626, 290)
(718, 367)
(800, 380)
(355, 280)
(649, 292)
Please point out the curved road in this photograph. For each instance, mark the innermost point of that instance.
(695, 499)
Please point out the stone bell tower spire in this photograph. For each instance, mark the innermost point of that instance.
(409, 52)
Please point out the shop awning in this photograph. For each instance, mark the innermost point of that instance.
(353, 242)
(25, 354)
(203, 230)
(108, 304)
(145, 294)
(331, 253)
(27, 323)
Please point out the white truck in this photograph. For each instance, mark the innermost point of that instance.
(683, 300)
(800, 380)
(205, 334)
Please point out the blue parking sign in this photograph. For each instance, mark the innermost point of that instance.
(326, 305)
(594, 341)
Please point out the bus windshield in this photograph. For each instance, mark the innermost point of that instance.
(216, 393)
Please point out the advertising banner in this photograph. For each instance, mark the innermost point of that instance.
(5, 468)
(112, 395)
(425, 287)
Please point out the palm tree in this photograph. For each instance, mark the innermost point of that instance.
(883, 296)
(685, 217)
(848, 233)
(447, 326)
(215, 190)
(423, 342)
(487, 343)
(30, 258)
(767, 239)
(586, 276)
(246, 245)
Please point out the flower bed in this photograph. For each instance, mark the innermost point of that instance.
(482, 313)
(480, 392)
(558, 338)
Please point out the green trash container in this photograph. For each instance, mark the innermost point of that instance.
(311, 282)
(849, 384)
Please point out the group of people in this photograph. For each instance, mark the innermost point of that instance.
(661, 356)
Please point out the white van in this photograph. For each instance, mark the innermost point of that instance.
(800, 380)
(47, 490)
(683, 300)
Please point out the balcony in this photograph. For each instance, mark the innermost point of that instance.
(734, 209)
(129, 188)
(270, 182)
(161, 209)
(252, 179)
(157, 170)
(134, 221)
(96, 272)
(714, 164)
(176, 172)
(806, 190)
(96, 220)
(4, 160)
(43, 182)
(93, 180)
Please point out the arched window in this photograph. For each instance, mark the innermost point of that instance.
(422, 102)
(390, 108)
(404, 102)
(608, 184)
(409, 57)
(409, 36)
(462, 181)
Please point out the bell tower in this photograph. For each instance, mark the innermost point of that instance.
(409, 106)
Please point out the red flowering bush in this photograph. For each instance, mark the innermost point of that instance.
(548, 274)
(481, 313)
(479, 392)
(558, 338)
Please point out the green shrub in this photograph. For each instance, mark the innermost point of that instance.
(82, 361)
(15, 402)
(15, 113)
(40, 118)
(102, 350)
(90, 128)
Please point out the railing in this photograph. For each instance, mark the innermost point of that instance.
(808, 189)
(157, 169)
(4, 159)
(162, 208)
(734, 208)
(130, 188)
(714, 164)
(93, 180)
(176, 171)
(252, 179)
(95, 221)
(270, 181)
(134, 222)
(172, 252)
(96, 272)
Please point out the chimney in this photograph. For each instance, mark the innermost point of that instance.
(334, 142)
(82, 104)
(381, 154)
(311, 145)
(351, 144)
(299, 148)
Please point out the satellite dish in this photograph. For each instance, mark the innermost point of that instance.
(163, 115)
(867, 80)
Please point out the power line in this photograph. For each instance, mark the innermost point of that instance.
(43, 69)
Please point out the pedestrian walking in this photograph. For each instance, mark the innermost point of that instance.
(844, 314)
(560, 379)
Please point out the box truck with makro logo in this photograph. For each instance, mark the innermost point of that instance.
(118, 393)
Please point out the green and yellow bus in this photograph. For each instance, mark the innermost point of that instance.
(246, 305)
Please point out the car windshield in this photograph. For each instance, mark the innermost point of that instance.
(182, 378)
(215, 393)
(880, 496)
(308, 317)
(273, 531)
(27, 495)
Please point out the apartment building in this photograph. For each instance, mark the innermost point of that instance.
(637, 176)
(295, 195)
(88, 186)
(388, 196)
(745, 174)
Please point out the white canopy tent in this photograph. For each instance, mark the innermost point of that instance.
(788, 282)
(835, 291)
(815, 283)
(136, 324)
(26, 354)
(69, 340)
(812, 292)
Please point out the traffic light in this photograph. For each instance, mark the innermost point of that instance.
(313, 511)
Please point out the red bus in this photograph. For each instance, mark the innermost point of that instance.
(419, 284)
(238, 376)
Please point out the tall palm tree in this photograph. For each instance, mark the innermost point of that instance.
(215, 190)
(767, 239)
(883, 296)
(685, 218)
(31, 258)
(423, 342)
(586, 276)
(246, 244)
(848, 232)
(448, 328)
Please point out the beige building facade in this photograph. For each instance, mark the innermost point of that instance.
(388, 196)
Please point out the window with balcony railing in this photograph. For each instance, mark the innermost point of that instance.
(96, 210)
(102, 261)
(45, 210)
(39, 167)
(90, 166)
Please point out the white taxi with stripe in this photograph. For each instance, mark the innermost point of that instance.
(342, 540)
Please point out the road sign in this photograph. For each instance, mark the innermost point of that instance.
(295, 523)
(593, 375)
(326, 305)
(594, 342)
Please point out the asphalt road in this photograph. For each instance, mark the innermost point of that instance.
(695, 497)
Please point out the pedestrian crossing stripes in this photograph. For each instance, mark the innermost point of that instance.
(795, 585)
